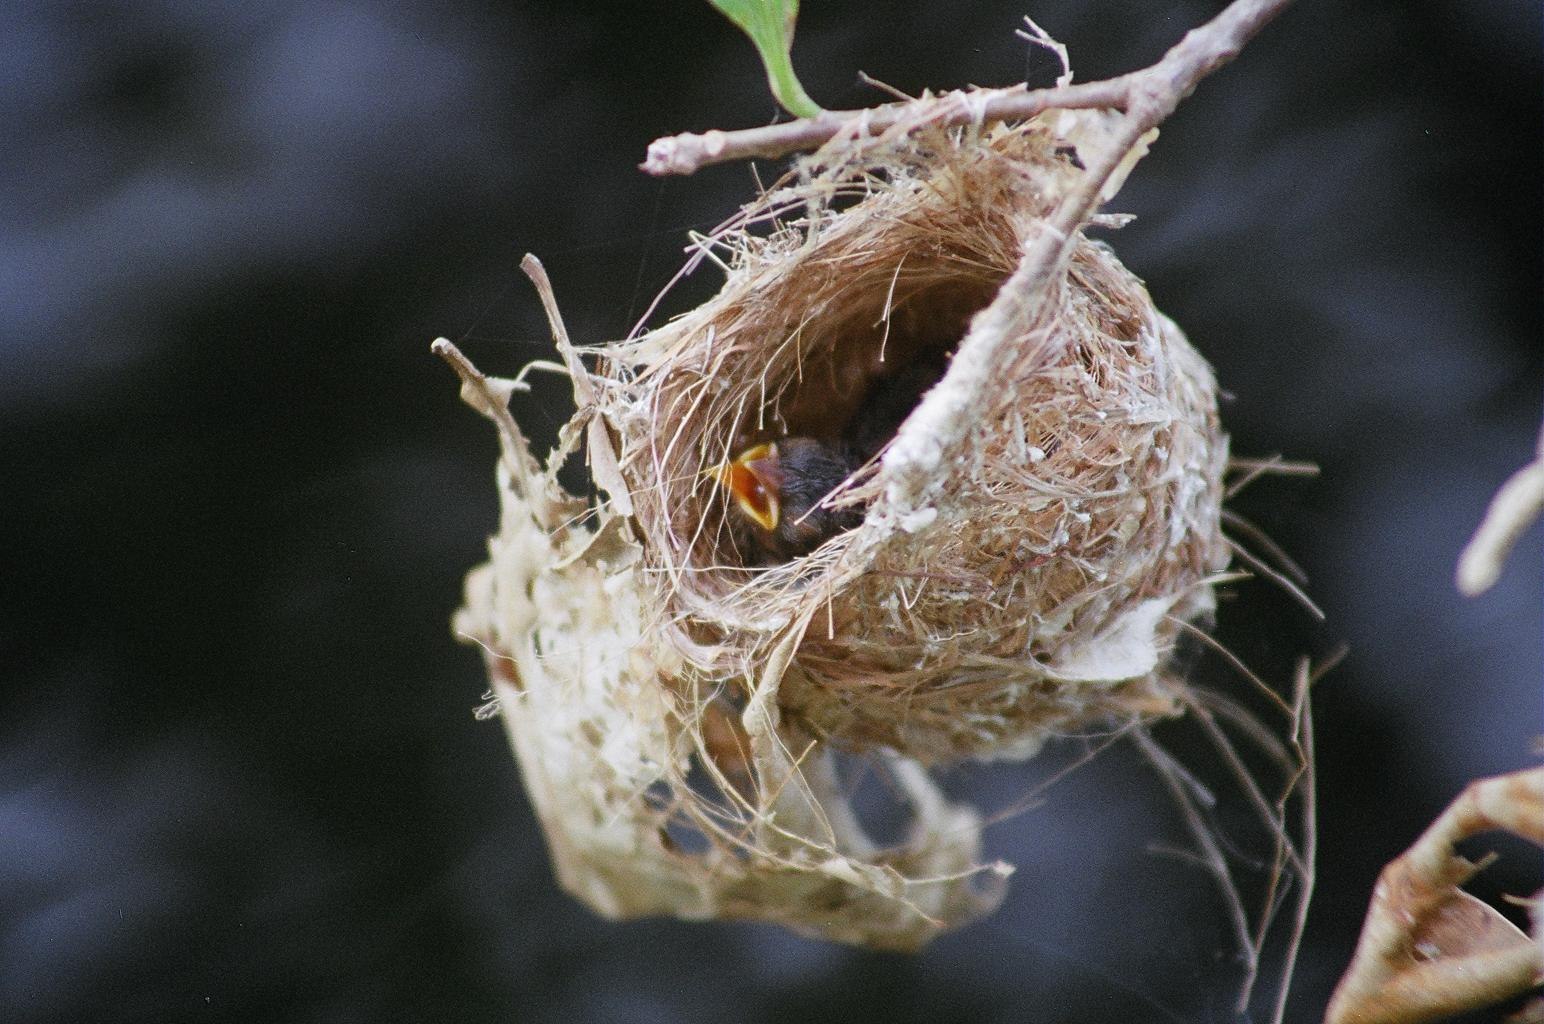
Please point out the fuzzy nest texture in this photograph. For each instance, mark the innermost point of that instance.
(1034, 537)
(1038, 586)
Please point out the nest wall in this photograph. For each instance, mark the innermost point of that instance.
(677, 706)
(1061, 551)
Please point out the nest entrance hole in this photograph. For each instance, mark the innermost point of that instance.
(879, 335)
(867, 361)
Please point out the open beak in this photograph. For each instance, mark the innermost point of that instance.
(752, 481)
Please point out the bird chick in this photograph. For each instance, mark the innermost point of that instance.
(777, 487)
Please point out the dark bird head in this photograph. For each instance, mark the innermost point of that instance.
(776, 487)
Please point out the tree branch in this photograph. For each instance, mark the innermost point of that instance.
(1515, 507)
(1148, 96)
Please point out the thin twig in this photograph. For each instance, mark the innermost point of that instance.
(1148, 96)
(1279, 558)
(1269, 571)
(1254, 469)
(490, 396)
(1516, 505)
(1305, 785)
(1297, 759)
(1245, 778)
(1208, 851)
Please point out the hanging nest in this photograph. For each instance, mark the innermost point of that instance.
(1029, 542)
(1038, 582)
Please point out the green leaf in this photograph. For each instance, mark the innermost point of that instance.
(769, 23)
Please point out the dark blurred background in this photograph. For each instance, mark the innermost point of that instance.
(240, 779)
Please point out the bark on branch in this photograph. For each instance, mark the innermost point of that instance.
(1147, 96)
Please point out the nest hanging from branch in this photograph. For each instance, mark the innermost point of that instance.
(1036, 583)
(1029, 543)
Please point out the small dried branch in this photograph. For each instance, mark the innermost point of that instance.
(1148, 96)
(689, 152)
(1208, 853)
(1037, 36)
(1430, 950)
(490, 397)
(1306, 785)
(1291, 867)
(1515, 507)
(603, 459)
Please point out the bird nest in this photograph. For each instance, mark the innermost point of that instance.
(1029, 542)
(1037, 584)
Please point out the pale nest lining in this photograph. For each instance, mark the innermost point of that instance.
(1036, 536)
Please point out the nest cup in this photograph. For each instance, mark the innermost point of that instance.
(1036, 581)
(1035, 535)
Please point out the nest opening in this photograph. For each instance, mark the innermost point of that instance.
(880, 347)
(858, 368)
(1031, 520)
(1028, 580)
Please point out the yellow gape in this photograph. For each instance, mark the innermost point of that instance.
(751, 481)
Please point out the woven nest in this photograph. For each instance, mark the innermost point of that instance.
(1040, 581)
(1033, 538)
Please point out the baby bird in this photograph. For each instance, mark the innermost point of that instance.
(776, 487)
